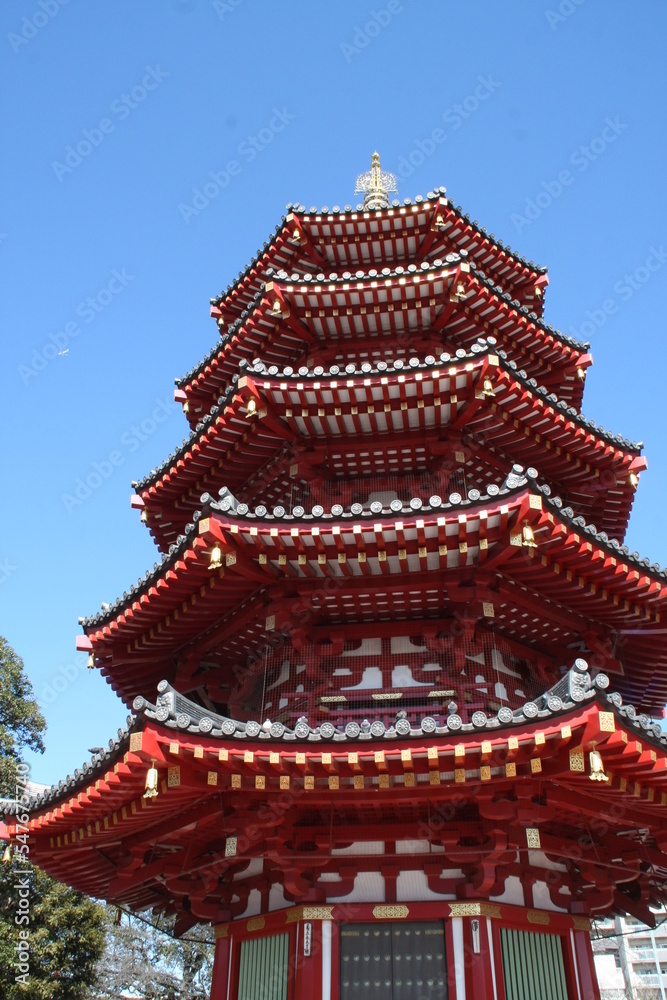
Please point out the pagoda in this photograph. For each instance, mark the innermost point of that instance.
(393, 676)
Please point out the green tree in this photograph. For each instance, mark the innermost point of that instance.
(50, 936)
(52, 956)
(21, 722)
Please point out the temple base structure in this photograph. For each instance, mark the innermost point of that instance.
(403, 951)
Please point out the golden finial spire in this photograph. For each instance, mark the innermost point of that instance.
(376, 185)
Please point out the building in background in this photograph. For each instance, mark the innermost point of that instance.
(379, 673)
(631, 958)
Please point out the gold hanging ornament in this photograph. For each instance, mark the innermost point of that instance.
(91, 661)
(251, 408)
(216, 557)
(144, 515)
(439, 223)
(597, 767)
(152, 781)
(487, 387)
(528, 537)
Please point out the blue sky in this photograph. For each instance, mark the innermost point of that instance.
(545, 121)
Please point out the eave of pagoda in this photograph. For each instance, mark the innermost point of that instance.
(402, 311)
(411, 233)
(574, 587)
(420, 412)
(197, 844)
(311, 241)
(397, 235)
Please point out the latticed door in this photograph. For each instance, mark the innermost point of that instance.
(393, 961)
(533, 966)
(263, 971)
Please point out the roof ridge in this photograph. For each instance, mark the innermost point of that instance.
(173, 710)
(514, 481)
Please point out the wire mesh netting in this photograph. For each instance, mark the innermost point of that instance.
(377, 677)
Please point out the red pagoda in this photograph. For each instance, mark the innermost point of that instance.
(393, 676)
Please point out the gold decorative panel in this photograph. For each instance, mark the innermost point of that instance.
(491, 910)
(309, 913)
(533, 837)
(607, 724)
(392, 912)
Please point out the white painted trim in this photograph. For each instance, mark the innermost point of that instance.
(459, 958)
(489, 932)
(326, 959)
(229, 969)
(575, 963)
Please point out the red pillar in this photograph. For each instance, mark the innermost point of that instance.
(308, 967)
(583, 956)
(477, 958)
(221, 959)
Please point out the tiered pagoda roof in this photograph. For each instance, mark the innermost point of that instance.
(215, 835)
(577, 586)
(358, 419)
(404, 310)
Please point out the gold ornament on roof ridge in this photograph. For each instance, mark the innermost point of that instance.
(375, 185)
